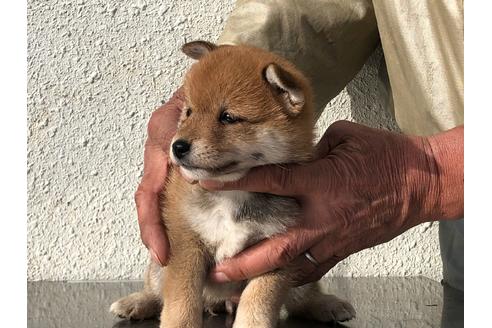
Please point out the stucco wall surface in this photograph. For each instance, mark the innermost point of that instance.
(96, 71)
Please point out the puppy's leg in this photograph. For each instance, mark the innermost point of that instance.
(137, 306)
(183, 288)
(309, 302)
(261, 301)
(142, 305)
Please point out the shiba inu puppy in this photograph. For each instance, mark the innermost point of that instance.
(245, 107)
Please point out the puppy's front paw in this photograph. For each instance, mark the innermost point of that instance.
(254, 319)
(136, 306)
(329, 308)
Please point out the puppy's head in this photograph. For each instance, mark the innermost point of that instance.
(245, 107)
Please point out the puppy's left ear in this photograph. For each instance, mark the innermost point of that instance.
(198, 49)
(286, 87)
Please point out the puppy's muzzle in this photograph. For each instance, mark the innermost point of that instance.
(181, 148)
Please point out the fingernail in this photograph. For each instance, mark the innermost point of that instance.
(219, 277)
(156, 258)
(208, 184)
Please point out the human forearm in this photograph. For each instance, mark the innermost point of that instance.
(448, 151)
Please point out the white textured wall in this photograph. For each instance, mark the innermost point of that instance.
(96, 71)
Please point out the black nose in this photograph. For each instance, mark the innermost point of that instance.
(181, 148)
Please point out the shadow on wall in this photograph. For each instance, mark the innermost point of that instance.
(368, 99)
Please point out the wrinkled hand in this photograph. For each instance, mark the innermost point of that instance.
(365, 187)
(161, 128)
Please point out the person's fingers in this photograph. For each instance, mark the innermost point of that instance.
(265, 256)
(306, 269)
(334, 135)
(157, 242)
(320, 271)
(329, 252)
(271, 179)
(152, 231)
(162, 127)
(287, 180)
(300, 268)
(294, 179)
(326, 254)
(327, 248)
(160, 131)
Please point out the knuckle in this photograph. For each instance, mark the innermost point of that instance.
(282, 254)
(278, 179)
(143, 237)
(241, 183)
(139, 198)
(342, 123)
(155, 123)
(275, 181)
(152, 124)
(141, 223)
(338, 126)
(240, 273)
(139, 195)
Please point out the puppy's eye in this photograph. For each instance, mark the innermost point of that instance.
(226, 118)
(188, 112)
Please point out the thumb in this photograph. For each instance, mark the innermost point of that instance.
(287, 180)
(265, 256)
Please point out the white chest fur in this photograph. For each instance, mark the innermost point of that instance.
(217, 225)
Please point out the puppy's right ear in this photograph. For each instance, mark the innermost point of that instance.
(198, 49)
(286, 86)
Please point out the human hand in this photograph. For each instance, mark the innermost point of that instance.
(161, 129)
(365, 187)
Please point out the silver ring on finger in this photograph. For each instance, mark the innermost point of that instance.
(310, 258)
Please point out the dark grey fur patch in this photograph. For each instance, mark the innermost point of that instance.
(259, 209)
(257, 156)
(202, 199)
(264, 208)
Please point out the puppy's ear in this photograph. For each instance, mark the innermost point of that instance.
(198, 49)
(286, 87)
